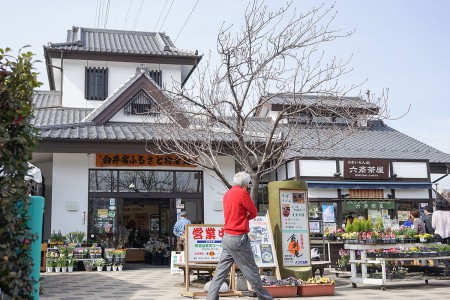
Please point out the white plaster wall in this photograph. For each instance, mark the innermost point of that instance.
(215, 189)
(281, 173)
(118, 74)
(70, 183)
(324, 168)
(410, 169)
(291, 169)
(323, 193)
(410, 193)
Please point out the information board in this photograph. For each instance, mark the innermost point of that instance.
(204, 244)
(295, 228)
(176, 257)
(262, 242)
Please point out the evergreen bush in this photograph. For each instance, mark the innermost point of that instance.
(18, 139)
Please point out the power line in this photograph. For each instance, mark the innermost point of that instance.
(186, 20)
(126, 17)
(106, 14)
(159, 18)
(162, 24)
(138, 14)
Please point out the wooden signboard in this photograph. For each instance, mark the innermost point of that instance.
(204, 246)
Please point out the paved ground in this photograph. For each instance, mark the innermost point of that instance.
(140, 281)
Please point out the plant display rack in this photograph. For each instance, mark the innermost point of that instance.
(364, 279)
(91, 257)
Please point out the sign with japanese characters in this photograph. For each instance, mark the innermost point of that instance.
(261, 240)
(372, 169)
(139, 160)
(295, 228)
(204, 242)
(176, 258)
(369, 204)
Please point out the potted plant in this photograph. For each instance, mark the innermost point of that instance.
(88, 265)
(282, 288)
(50, 264)
(57, 238)
(316, 286)
(99, 263)
(344, 260)
(70, 263)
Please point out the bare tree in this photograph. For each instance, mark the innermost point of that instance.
(274, 61)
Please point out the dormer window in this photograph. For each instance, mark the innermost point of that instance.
(96, 83)
(141, 103)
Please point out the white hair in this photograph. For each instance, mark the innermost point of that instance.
(241, 179)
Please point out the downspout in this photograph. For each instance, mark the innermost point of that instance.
(61, 69)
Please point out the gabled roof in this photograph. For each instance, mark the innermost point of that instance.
(279, 101)
(82, 39)
(141, 80)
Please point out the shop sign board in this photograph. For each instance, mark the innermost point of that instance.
(295, 228)
(205, 242)
(369, 204)
(139, 160)
(371, 169)
(176, 257)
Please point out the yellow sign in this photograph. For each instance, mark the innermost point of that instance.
(102, 213)
(137, 160)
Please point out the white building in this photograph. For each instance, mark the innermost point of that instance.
(98, 175)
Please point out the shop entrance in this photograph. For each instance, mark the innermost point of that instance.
(145, 219)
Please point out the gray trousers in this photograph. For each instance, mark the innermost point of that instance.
(237, 248)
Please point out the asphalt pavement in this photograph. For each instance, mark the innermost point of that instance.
(141, 281)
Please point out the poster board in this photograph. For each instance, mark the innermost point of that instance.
(204, 242)
(261, 240)
(176, 257)
(295, 227)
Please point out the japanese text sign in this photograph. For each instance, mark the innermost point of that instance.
(294, 228)
(136, 160)
(366, 169)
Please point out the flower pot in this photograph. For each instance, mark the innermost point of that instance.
(63, 269)
(49, 269)
(119, 267)
(99, 269)
(69, 269)
(282, 291)
(311, 290)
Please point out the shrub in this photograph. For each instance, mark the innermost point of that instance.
(18, 139)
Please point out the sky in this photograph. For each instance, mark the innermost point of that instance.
(400, 45)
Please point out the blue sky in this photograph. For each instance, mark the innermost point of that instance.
(402, 45)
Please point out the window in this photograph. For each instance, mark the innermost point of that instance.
(96, 83)
(156, 76)
(141, 103)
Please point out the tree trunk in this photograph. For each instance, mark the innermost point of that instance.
(254, 189)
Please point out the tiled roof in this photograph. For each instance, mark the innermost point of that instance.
(46, 99)
(313, 100)
(119, 41)
(377, 141)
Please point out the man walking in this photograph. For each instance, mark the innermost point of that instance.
(178, 230)
(238, 209)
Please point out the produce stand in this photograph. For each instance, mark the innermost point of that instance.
(380, 260)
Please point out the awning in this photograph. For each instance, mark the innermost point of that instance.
(368, 185)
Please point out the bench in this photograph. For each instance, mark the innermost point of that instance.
(319, 265)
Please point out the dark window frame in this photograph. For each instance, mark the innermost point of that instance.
(96, 83)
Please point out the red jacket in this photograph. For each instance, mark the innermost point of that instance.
(238, 209)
